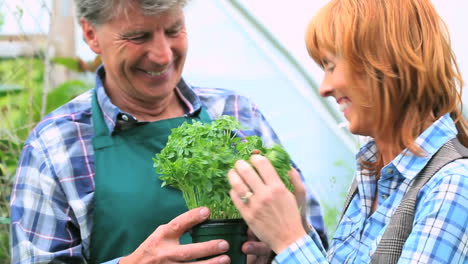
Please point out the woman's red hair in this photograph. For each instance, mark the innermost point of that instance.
(401, 49)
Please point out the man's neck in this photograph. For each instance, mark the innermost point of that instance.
(149, 111)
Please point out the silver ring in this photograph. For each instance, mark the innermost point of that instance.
(246, 197)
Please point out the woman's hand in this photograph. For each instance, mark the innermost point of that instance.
(272, 211)
(300, 194)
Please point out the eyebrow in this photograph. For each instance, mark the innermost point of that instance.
(136, 32)
(177, 24)
(132, 34)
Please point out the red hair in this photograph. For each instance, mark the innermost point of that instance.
(401, 48)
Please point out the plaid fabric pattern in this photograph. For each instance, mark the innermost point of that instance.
(400, 226)
(439, 229)
(52, 197)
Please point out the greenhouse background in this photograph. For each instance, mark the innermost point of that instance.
(255, 47)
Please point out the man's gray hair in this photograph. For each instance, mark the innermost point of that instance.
(98, 12)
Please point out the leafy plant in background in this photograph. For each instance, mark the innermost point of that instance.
(332, 213)
(2, 20)
(198, 156)
(21, 88)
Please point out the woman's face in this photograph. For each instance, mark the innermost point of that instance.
(349, 96)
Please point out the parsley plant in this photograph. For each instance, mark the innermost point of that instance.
(198, 156)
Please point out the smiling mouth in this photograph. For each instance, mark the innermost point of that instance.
(153, 73)
(344, 106)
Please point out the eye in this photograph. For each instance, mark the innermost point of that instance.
(329, 68)
(137, 38)
(173, 32)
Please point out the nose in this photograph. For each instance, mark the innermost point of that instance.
(160, 51)
(326, 88)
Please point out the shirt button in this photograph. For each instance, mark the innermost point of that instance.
(384, 196)
(124, 117)
(389, 171)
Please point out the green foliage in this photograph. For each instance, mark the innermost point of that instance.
(331, 217)
(332, 212)
(4, 244)
(64, 92)
(198, 156)
(69, 63)
(2, 20)
(19, 12)
(20, 107)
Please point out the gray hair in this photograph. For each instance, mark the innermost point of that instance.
(98, 12)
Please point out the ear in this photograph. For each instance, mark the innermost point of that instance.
(90, 35)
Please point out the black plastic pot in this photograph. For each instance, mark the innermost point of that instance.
(234, 231)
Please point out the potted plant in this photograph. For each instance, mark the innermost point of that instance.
(196, 160)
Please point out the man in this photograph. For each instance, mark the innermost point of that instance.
(85, 189)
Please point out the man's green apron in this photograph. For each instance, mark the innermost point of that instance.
(129, 201)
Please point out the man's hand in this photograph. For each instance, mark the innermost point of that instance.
(162, 246)
(257, 252)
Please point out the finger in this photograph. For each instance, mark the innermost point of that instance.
(241, 206)
(182, 223)
(249, 175)
(257, 248)
(223, 259)
(299, 188)
(193, 251)
(251, 236)
(265, 169)
(300, 194)
(237, 184)
(252, 259)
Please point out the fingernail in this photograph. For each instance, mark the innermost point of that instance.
(204, 212)
(224, 260)
(223, 245)
(242, 164)
(256, 157)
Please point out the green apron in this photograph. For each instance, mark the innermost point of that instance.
(129, 203)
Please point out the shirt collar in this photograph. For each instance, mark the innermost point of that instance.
(408, 164)
(112, 113)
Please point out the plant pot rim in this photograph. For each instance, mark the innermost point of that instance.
(230, 220)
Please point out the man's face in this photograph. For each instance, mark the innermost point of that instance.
(143, 55)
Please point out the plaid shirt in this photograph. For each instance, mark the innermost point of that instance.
(439, 233)
(52, 198)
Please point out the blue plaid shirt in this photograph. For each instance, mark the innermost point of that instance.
(439, 233)
(53, 192)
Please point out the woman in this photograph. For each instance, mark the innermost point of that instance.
(390, 67)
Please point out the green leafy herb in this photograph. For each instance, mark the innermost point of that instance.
(198, 156)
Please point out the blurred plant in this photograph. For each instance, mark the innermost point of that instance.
(77, 64)
(2, 20)
(19, 12)
(21, 83)
(332, 212)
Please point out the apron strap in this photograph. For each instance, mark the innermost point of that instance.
(101, 138)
